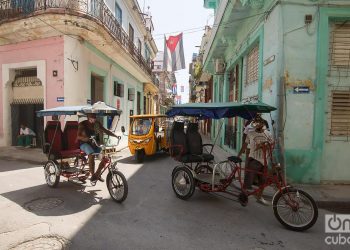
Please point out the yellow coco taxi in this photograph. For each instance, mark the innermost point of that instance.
(148, 134)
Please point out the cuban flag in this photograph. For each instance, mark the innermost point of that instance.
(174, 58)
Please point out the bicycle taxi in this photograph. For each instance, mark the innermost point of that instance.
(65, 157)
(294, 208)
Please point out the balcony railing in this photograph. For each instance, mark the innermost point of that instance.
(94, 9)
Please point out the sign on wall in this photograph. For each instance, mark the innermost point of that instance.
(60, 99)
(301, 90)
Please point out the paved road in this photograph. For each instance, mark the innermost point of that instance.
(79, 217)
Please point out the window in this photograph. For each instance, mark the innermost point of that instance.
(131, 33)
(182, 89)
(131, 94)
(118, 89)
(252, 69)
(340, 46)
(340, 113)
(141, 126)
(118, 13)
(139, 45)
(147, 53)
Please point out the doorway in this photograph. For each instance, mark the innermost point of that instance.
(26, 114)
(96, 88)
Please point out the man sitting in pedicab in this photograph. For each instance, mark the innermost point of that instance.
(86, 129)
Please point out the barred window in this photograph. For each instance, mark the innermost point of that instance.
(252, 70)
(340, 113)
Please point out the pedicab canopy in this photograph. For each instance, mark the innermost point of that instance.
(99, 108)
(215, 110)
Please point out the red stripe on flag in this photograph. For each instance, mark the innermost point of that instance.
(172, 42)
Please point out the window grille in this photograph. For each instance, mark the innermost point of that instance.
(252, 70)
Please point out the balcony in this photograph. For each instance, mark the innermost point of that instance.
(94, 10)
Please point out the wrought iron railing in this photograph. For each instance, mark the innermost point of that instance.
(94, 9)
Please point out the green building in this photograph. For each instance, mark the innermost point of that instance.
(294, 55)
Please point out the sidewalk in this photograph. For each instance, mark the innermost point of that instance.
(32, 155)
(326, 195)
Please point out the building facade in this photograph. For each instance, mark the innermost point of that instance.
(166, 80)
(294, 55)
(61, 53)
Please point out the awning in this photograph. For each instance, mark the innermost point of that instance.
(220, 110)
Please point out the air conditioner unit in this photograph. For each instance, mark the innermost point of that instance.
(219, 66)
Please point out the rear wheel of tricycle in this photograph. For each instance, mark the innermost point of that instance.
(52, 174)
(183, 182)
(117, 186)
(139, 155)
(295, 209)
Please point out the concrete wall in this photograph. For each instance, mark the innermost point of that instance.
(46, 55)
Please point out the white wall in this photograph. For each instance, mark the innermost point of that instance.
(77, 84)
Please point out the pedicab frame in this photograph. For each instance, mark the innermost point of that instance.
(212, 177)
(115, 181)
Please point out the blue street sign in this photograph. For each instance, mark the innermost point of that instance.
(60, 99)
(301, 90)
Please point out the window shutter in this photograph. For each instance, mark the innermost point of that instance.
(340, 46)
(340, 113)
(131, 94)
(252, 65)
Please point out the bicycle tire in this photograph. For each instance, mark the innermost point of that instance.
(109, 181)
(283, 221)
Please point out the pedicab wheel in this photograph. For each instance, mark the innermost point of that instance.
(52, 174)
(183, 183)
(139, 155)
(117, 186)
(295, 209)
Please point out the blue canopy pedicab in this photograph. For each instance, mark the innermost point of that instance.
(65, 157)
(293, 208)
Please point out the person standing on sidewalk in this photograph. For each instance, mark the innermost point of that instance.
(25, 136)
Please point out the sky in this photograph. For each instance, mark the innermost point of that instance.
(173, 16)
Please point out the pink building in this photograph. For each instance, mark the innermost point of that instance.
(55, 53)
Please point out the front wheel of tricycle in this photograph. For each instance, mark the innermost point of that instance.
(117, 186)
(183, 182)
(295, 209)
(52, 174)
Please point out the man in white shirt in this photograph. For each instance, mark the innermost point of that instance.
(25, 136)
(254, 140)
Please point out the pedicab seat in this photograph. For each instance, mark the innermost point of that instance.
(178, 145)
(61, 145)
(234, 159)
(195, 145)
(188, 148)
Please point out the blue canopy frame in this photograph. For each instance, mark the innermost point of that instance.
(220, 110)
